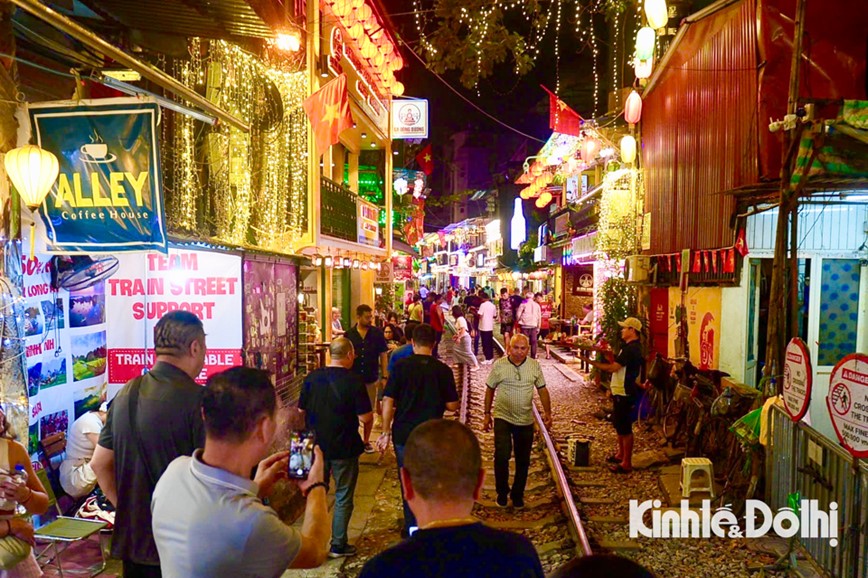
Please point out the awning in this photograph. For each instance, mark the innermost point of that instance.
(399, 245)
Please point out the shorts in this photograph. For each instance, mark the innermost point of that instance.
(543, 333)
(622, 417)
(505, 328)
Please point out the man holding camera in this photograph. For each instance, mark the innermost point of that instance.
(334, 401)
(208, 516)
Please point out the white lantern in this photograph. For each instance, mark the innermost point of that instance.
(643, 68)
(518, 226)
(645, 40)
(33, 171)
(657, 13)
(589, 149)
(628, 149)
(400, 185)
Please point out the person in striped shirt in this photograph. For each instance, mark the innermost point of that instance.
(514, 378)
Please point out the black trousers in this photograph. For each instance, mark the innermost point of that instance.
(134, 570)
(487, 344)
(507, 435)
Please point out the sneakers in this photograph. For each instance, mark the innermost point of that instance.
(518, 504)
(501, 501)
(369, 448)
(347, 550)
(487, 362)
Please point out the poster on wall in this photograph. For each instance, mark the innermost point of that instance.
(368, 223)
(65, 349)
(270, 314)
(798, 378)
(149, 285)
(109, 175)
(847, 402)
(703, 323)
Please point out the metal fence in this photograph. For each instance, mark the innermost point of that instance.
(799, 459)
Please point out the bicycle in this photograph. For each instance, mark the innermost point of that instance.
(744, 472)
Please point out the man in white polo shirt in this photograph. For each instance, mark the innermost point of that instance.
(514, 377)
(208, 516)
(487, 315)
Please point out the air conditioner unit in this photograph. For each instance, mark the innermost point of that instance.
(637, 268)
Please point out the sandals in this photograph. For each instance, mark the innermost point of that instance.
(613, 459)
(619, 469)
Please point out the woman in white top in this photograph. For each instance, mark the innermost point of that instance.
(337, 328)
(29, 494)
(76, 476)
(463, 351)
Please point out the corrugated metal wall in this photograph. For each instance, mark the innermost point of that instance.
(832, 228)
(699, 132)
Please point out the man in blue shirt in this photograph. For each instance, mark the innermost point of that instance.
(404, 351)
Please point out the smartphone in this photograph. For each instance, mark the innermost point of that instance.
(301, 454)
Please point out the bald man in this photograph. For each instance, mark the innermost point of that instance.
(514, 378)
(334, 400)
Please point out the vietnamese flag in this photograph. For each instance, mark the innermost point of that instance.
(328, 110)
(729, 261)
(562, 118)
(697, 262)
(425, 158)
(741, 243)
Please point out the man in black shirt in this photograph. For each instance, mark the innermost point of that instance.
(420, 388)
(334, 401)
(625, 392)
(441, 478)
(131, 456)
(371, 350)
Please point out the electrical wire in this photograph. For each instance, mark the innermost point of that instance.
(464, 98)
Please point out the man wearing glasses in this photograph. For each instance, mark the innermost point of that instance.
(514, 377)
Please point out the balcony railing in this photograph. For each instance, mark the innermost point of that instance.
(339, 215)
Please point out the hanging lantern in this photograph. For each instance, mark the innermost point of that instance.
(590, 148)
(536, 170)
(643, 68)
(398, 89)
(367, 48)
(657, 13)
(342, 7)
(356, 30)
(328, 261)
(378, 58)
(543, 200)
(363, 13)
(645, 40)
(396, 63)
(518, 226)
(628, 149)
(525, 193)
(633, 108)
(357, 3)
(385, 46)
(33, 171)
(346, 262)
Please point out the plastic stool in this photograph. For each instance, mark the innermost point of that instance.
(689, 467)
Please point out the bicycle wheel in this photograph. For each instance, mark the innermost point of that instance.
(713, 441)
(739, 486)
(673, 421)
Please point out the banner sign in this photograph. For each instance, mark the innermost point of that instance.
(368, 223)
(402, 268)
(108, 196)
(797, 379)
(409, 118)
(65, 348)
(147, 286)
(848, 403)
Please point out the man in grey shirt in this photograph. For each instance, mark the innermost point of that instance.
(208, 516)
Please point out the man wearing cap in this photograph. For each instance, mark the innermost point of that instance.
(625, 391)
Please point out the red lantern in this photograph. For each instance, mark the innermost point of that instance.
(633, 108)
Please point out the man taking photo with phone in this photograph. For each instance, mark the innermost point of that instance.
(334, 401)
(208, 516)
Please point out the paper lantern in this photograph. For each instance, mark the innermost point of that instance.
(378, 59)
(356, 30)
(645, 40)
(397, 63)
(398, 89)
(643, 68)
(536, 170)
(633, 108)
(367, 48)
(342, 7)
(525, 193)
(33, 171)
(628, 149)
(386, 46)
(518, 226)
(590, 148)
(657, 13)
(357, 3)
(543, 200)
(363, 13)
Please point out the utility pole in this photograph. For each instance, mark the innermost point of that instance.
(783, 322)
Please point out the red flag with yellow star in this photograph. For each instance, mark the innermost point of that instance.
(425, 158)
(562, 118)
(328, 110)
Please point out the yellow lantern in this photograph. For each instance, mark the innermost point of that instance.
(378, 59)
(32, 171)
(397, 89)
(357, 3)
(341, 8)
(645, 40)
(633, 108)
(355, 31)
(367, 48)
(363, 13)
(628, 149)
(543, 200)
(657, 13)
(385, 46)
(526, 193)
